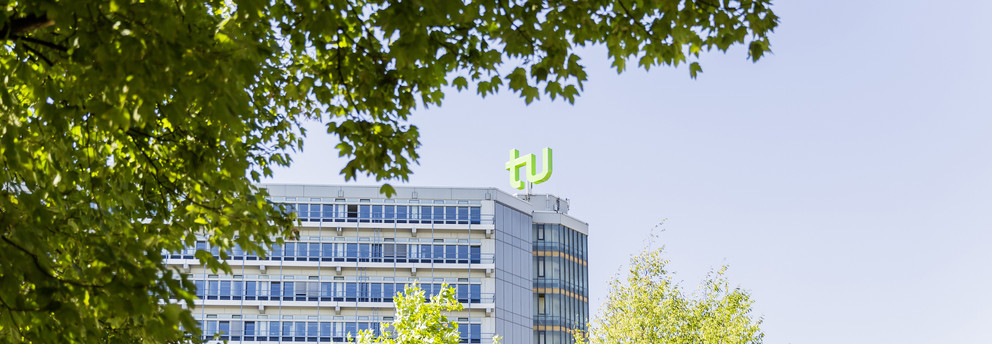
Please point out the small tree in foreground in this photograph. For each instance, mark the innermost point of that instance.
(649, 307)
(419, 322)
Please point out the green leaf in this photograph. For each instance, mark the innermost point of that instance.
(387, 190)
(695, 69)
(460, 83)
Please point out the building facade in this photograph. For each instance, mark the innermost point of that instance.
(518, 264)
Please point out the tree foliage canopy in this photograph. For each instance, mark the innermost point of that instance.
(649, 307)
(127, 127)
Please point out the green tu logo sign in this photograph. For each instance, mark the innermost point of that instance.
(530, 161)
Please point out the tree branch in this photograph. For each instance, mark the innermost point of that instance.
(24, 24)
(37, 263)
(42, 42)
(37, 53)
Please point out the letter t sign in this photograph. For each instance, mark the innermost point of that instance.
(530, 161)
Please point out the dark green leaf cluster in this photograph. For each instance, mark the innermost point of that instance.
(127, 127)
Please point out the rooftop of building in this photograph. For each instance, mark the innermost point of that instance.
(542, 205)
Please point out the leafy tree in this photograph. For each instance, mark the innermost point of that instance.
(419, 322)
(127, 127)
(649, 307)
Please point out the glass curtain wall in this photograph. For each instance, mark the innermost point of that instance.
(561, 297)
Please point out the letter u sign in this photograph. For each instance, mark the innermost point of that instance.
(530, 161)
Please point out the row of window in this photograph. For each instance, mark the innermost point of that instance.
(560, 272)
(553, 337)
(305, 331)
(554, 309)
(323, 291)
(354, 252)
(370, 200)
(386, 213)
(575, 287)
(554, 237)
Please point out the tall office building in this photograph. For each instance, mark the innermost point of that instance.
(517, 263)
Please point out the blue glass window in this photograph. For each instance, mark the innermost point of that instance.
(326, 291)
(475, 254)
(301, 329)
(377, 213)
(451, 253)
(462, 215)
(449, 214)
(363, 292)
(425, 252)
(351, 252)
(250, 290)
(224, 327)
(425, 213)
(301, 251)
(463, 254)
(327, 251)
(462, 293)
(276, 252)
(377, 252)
(325, 330)
(211, 329)
(351, 291)
(237, 290)
(225, 290)
(475, 215)
(364, 253)
(328, 211)
(388, 292)
(302, 210)
(438, 253)
(287, 330)
(315, 212)
(475, 332)
(376, 294)
(274, 290)
(390, 213)
(287, 290)
(290, 250)
(213, 289)
(401, 213)
(273, 330)
(314, 251)
(475, 293)
(438, 214)
(364, 213)
(249, 329)
(311, 329)
(351, 328)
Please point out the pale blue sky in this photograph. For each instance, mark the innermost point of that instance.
(846, 179)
